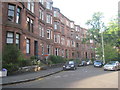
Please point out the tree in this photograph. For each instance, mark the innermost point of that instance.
(95, 24)
(110, 36)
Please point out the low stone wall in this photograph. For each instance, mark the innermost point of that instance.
(29, 69)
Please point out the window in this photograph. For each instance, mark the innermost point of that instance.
(49, 5)
(77, 45)
(48, 48)
(41, 1)
(11, 12)
(73, 43)
(30, 24)
(41, 28)
(18, 15)
(28, 46)
(56, 14)
(30, 6)
(18, 40)
(68, 43)
(55, 38)
(56, 51)
(48, 34)
(49, 19)
(58, 38)
(41, 14)
(56, 25)
(10, 37)
(72, 25)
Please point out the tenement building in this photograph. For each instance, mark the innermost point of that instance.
(39, 29)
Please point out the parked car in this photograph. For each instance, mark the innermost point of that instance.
(112, 65)
(70, 65)
(98, 63)
(83, 63)
(89, 62)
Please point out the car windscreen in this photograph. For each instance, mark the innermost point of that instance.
(111, 63)
(70, 62)
(98, 62)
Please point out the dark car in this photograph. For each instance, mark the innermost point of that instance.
(70, 65)
(98, 63)
(83, 63)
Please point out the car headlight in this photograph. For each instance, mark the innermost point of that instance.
(72, 65)
(63, 66)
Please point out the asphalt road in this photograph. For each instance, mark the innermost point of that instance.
(83, 77)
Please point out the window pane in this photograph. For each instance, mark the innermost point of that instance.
(32, 7)
(11, 7)
(27, 46)
(11, 15)
(17, 36)
(28, 6)
(18, 18)
(9, 34)
(18, 9)
(10, 40)
(17, 41)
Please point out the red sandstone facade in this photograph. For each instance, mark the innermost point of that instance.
(38, 29)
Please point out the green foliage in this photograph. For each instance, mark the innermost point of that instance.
(55, 59)
(11, 67)
(24, 62)
(11, 54)
(95, 24)
(110, 52)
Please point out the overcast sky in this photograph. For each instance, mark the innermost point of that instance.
(82, 10)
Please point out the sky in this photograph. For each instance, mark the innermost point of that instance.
(82, 10)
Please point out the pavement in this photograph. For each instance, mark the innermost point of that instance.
(25, 77)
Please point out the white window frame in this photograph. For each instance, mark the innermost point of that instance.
(10, 38)
(48, 33)
(28, 46)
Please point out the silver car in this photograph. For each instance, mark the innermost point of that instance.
(112, 65)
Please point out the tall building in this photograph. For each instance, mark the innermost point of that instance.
(39, 29)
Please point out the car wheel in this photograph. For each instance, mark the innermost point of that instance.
(74, 68)
(116, 69)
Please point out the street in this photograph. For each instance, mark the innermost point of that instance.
(83, 77)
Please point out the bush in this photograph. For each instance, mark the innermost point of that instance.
(11, 56)
(55, 59)
(11, 67)
(24, 62)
